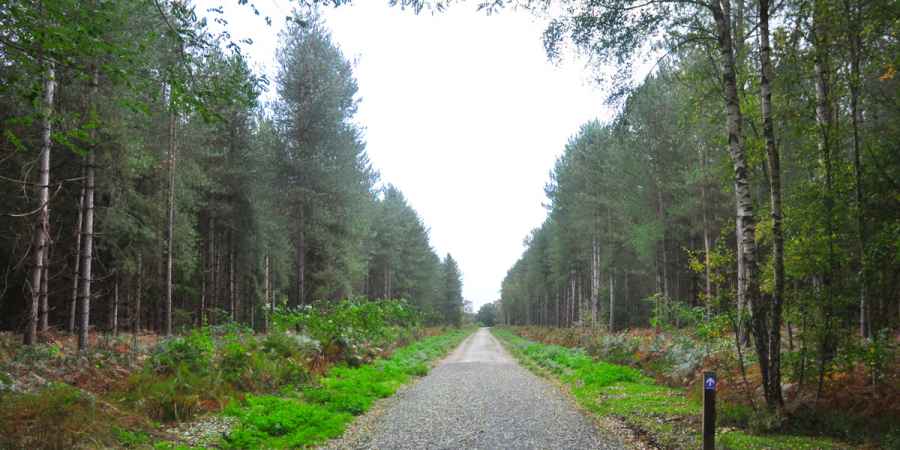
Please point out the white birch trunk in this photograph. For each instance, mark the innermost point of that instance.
(41, 231)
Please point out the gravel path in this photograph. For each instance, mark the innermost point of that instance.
(477, 398)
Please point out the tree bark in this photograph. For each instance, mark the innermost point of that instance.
(855, 118)
(707, 245)
(170, 218)
(825, 123)
(612, 300)
(232, 306)
(87, 230)
(266, 293)
(213, 268)
(136, 325)
(77, 273)
(114, 314)
(42, 223)
(773, 396)
(301, 269)
(204, 274)
(747, 262)
(595, 278)
(45, 281)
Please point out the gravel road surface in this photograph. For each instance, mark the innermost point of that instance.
(477, 398)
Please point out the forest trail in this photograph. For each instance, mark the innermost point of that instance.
(479, 397)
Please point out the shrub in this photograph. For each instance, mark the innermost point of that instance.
(615, 348)
(353, 331)
(684, 357)
(194, 351)
(58, 416)
(131, 439)
(284, 345)
(238, 361)
(177, 396)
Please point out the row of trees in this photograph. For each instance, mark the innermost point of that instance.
(649, 215)
(142, 180)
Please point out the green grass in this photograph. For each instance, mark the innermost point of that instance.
(666, 414)
(323, 411)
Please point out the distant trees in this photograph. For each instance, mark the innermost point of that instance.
(450, 300)
(638, 206)
(487, 314)
(136, 159)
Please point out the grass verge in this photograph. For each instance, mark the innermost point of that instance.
(323, 411)
(665, 415)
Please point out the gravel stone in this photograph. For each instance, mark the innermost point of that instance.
(204, 432)
(477, 398)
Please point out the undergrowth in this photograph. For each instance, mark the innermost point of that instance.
(57, 416)
(667, 414)
(121, 396)
(322, 411)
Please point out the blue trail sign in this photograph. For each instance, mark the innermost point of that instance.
(709, 410)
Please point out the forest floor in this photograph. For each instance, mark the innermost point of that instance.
(225, 387)
(212, 388)
(651, 382)
(478, 397)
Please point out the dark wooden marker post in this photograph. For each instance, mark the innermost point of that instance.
(709, 410)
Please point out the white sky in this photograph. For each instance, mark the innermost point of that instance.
(462, 112)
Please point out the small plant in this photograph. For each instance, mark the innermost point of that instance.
(131, 439)
(194, 351)
(621, 391)
(325, 408)
(57, 416)
(352, 331)
(274, 422)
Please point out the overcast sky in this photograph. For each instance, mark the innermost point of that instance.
(462, 112)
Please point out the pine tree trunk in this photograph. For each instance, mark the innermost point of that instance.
(612, 300)
(572, 298)
(595, 278)
(773, 396)
(136, 325)
(87, 230)
(301, 271)
(231, 284)
(204, 277)
(45, 281)
(170, 220)
(266, 286)
(214, 269)
(42, 223)
(114, 314)
(665, 244)
(625, 293)
(825, 123)
(856, 118)
(707, 245)
(77, 272)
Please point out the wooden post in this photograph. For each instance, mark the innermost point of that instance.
(709, 410)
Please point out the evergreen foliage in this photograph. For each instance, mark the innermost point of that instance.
(258, 206)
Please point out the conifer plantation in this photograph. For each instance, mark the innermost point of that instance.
(744, 195)
(173, 242)
(194, 254)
